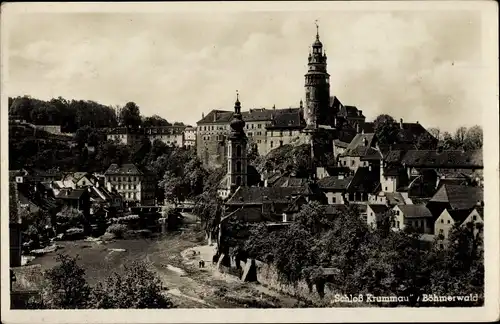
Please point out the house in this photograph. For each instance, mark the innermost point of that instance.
(334, 188)
(410, 136)
(455, 197)
(449, 218)
(190, 136)
(75, 198)
(135, 185)
(361, 152)
(418, 217)
(375, 214)
(257, 204)
(126, 135)
(111, 201)
(170, 135)
(364, 182)
(389, 198)
(37, 175)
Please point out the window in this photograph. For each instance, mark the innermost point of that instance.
(385, 188)
(442, 221)
(448, 221)
(238, 166)
(397, 224)
(441, 231)
(345, 162)
(281, 143)
(441, 246)
(252, 126)
(259, 125)
(281, 133)
(290, 133)
(259, 141)
(334, 200)
(249, 133)
(238, 151)
(474, 218)
(271, 144)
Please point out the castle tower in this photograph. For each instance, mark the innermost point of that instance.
(237, 150)
(317, 86)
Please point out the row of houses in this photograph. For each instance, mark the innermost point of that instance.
(119, 187)
(428, 190)
(179, 136)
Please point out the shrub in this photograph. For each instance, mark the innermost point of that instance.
(117, 229)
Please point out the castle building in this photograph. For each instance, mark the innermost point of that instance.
(320, 120)
(236, 154)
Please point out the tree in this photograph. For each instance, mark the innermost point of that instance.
(436, 132)
(67, 287)
(312, 216)
(130, 115)
(386, 129)
(155, 121)
(474, 138)
(137, 288)
(459, 137)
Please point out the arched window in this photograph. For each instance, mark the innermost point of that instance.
(238, 151)
(238, 166)
(238, 181)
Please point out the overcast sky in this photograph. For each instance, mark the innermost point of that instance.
(419, 66)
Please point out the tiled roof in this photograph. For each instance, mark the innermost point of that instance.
(257, 195)
(70, 193)
(433, 158)
(294, 182)
(394, 156)
(411, 211)
(291, 118)
(281, 116)
(409, 133)
(459, 215)
(459, 197)
(395, 198)
(364, 180)
(217, 116)
(363, 145)
(164, 130)
(334, 183)
(379, 208)
(340, 143)
(350, 111)
(128, 168)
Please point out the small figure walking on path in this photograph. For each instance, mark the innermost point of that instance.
(201, 264)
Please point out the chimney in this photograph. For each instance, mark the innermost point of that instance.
(360, 113)
(215, 116)
(274, 107)
(401, 123)
(202, 115)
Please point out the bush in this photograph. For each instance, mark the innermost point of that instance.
(117, 229)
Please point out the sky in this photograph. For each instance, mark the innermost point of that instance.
(417, 65)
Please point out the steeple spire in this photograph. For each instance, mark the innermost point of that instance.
(317, 29)
(237, 104)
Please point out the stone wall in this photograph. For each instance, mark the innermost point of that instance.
(268, 275)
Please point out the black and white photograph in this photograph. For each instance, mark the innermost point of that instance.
(294, 156)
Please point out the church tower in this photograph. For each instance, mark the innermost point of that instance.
(317, 84)
(237, 150)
